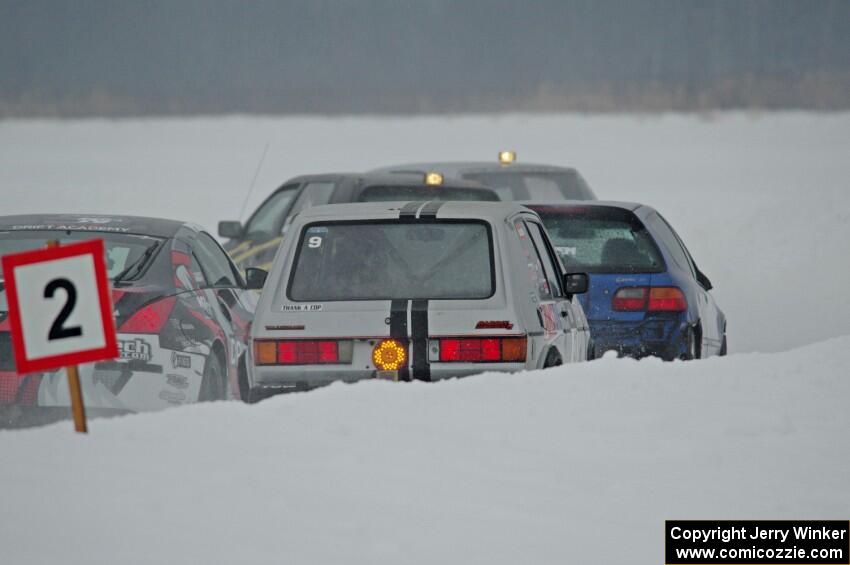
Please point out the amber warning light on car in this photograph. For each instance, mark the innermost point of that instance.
(507, 157)
(389, 355)
(433, 179)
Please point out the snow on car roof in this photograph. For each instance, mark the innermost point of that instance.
(364, 180)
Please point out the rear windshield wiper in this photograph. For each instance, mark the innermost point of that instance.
(135, 266)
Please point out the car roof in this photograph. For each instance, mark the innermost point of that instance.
(630, 206)
(466, 209)
(455, 168)
(364, 180)
(139, 225)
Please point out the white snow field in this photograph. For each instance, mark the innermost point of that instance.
(570, 465)
(574, 464)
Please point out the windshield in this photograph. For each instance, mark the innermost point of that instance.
(404, 193)
(392, 260)
(123, 252)
(601, 240)
(530, 185)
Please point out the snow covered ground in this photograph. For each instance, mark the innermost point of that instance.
(581, 463)
(575, 464)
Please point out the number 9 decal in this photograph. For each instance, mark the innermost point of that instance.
(314, 242)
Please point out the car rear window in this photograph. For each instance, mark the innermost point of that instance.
(404, 193)
(393, 260)
(601, 240)
(540, 186)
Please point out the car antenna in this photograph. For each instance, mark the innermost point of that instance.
(253, 181)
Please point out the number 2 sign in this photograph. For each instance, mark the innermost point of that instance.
(60, 309)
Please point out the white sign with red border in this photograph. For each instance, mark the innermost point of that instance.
(60, 308)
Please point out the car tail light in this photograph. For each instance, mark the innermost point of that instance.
(631, 299)
(482, 349)
(667, 299)
(302, 352)
(652, 299)
(149, 319)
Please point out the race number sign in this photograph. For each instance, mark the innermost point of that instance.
(60, 310)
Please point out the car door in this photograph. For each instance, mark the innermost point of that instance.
(231, 305)
(571, 310)
(573, 307)
(553, 309)
(262, 230)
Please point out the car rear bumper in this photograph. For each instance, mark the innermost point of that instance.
(663, 338)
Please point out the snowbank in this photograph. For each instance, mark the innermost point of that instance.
(574, 464)
(761, 200)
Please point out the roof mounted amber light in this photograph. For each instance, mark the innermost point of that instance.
(389, 355)
(507, 157)
(433, 179)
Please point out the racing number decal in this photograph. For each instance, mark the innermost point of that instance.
(314, 242)
(58, 329)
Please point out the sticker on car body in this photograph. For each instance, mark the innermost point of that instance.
(301, 307)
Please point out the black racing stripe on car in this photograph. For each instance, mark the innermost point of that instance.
(429, 211)
(398, 331)
(409, 210)
(419, 323)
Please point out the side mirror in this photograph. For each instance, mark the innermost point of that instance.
(576, 283)
(255, 278)
(230, 230)
(703, 280)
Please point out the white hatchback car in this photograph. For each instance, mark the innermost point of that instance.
(418, 290)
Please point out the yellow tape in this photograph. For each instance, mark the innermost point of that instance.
(254, 250)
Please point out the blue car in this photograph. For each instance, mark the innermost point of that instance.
(647, 296)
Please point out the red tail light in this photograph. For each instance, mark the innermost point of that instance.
(652, 299)
(150, 319)
(301, 352)
(667, 299)
(482, 349)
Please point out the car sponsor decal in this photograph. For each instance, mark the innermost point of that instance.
(549, 318)
(180, 361)
(172, 397)
(419, 321)
(566, 251)
(301, 308)
(177, 381)
(136, 349)
(67, 227)
(398, 331)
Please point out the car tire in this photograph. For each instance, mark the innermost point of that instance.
(723, 348)
(692, 344)
(553, 359)
(214, 384)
